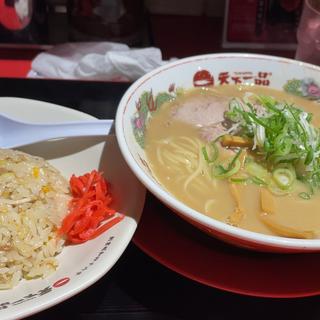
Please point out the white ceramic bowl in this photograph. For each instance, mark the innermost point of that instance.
(217, 69)
(80, 265)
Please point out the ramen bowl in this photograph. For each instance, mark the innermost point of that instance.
(147, 94)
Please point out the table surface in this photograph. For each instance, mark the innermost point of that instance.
(138, 287)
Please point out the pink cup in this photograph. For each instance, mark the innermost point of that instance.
(308, 34)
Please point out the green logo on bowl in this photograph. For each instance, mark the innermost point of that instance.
(146, 106)
(307, 88)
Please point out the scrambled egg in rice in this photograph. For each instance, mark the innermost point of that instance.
(33, 201)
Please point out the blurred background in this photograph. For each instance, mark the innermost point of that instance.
(179, 28)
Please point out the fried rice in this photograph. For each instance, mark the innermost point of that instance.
(34, 198)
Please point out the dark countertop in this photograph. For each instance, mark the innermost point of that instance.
(138, 287)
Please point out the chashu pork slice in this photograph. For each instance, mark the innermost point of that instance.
(205, 112)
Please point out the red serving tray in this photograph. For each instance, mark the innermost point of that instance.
(186, 250)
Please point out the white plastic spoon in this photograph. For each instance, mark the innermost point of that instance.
(15, 133)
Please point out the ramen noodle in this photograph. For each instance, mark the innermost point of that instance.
(244, 155)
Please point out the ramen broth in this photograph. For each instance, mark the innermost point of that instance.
(173, 148)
